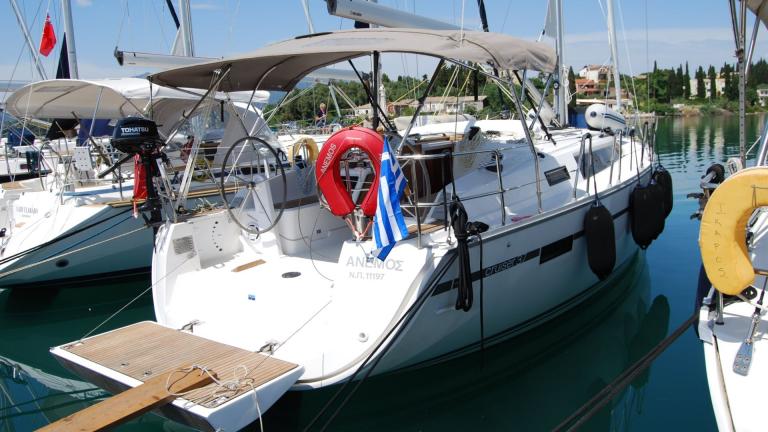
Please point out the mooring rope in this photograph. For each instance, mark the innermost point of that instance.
(394, 333)
(59, 238)
(28, 266)
(589, 409)
(152, 285)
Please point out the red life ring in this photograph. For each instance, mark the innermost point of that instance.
(328, 172)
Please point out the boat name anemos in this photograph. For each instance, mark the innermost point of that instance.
(372, 263)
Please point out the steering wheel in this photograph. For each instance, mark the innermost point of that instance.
(249, 175)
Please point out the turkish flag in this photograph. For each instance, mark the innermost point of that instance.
(48, 41)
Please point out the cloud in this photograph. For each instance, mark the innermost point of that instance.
(668, 46)
(84, 3)
(203, 6)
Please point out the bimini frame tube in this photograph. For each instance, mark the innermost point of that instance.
(763, 152)
(519, 106)
(528, 138)
(422, 99)
(186, 179)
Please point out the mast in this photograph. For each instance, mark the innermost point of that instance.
(69, 35)
(562, 105)
(739, 24)
(614, 54)
(28, 38)
(742, 84)
(187, 42)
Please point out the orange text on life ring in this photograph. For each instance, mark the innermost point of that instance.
(724, 252)
(328, 172)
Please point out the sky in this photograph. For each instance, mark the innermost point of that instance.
(668, 31)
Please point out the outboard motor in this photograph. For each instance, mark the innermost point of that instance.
(138, 137)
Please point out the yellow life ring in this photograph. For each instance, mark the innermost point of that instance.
(722, 236)
(309, 144)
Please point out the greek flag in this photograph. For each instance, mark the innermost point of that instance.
(388, 223)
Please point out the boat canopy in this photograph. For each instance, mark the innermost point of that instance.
(760, 8)
(281, 65)
(116, 98)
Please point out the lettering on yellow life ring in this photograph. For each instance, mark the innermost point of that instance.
(722, 236)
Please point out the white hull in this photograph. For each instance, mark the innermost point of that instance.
(519, 297)
(89, 254)
(735, 397)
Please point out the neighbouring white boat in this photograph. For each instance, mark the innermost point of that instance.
(733, 240)
(501, 235)
(53, 231)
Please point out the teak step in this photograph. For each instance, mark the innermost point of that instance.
(133, 402)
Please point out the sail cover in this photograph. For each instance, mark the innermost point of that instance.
(281, 65)
(104, 99)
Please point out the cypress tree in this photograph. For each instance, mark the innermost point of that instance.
(672, 85)
(726, 74)
(687, 83)
(701, 89)
(712, 74)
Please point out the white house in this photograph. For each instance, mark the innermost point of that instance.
(762, 95)
(433, 104)
(719, 85)
(595, 73)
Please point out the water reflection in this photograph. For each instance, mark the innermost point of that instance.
(531, 382)
(690, 144)
(34, 388)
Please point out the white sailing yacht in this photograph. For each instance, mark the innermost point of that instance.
(504, 231)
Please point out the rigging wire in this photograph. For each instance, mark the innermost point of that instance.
(152, 285)
(57, 256)
(604, 396)
(394, 332)
(157, 16)
(647, 65)
(126, 12)
(232, 24)
(629, 61)
(506, 15)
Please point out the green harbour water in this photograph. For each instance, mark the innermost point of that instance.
(530, 383)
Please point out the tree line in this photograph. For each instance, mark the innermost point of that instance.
(665, 86)
(451, 81)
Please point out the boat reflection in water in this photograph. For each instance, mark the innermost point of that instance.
(31, 398)
(532, 382)
(34, 389)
